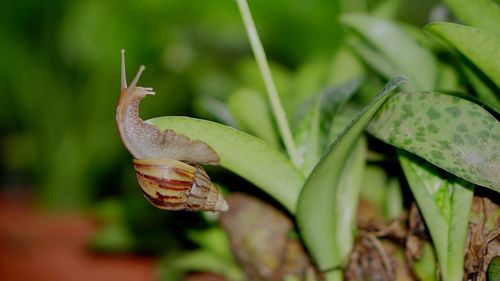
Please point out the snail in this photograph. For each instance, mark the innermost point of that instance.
(168, 165)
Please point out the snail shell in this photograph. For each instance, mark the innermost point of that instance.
(174, 185)
(165, 181)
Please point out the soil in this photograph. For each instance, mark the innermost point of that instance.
(38, 246)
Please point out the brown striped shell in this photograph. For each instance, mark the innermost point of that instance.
(165, 181)
(173, 185)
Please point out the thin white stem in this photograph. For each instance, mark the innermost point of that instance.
(272, 93)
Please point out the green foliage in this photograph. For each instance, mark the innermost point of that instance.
(445, 203)
(479, 46)
(391, 50)
(332, 191)
(451, 133)
(59, 84)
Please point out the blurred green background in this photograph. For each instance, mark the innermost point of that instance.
(59, 84)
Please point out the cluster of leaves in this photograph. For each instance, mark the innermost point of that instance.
(443, 124)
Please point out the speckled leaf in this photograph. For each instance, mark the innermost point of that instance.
(481, 47)
(331, 186)
(452, 133)
(484, 14)
(307, 137)
(444, 201)
(400, 50)
(313, 132)
(245, 155)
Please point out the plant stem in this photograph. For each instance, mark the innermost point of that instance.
(272, 93)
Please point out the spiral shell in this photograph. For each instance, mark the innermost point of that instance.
(174, 185)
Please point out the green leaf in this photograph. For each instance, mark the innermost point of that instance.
(452, 133)
(494, 269)
(213, 239)
(315, 121)
(382, 192)
(480, 47)
(252, 113)
(307, 137)
(398, 49)
(484, 88)
(245, 155)
(387, 9)
(175, 267)
(332, 190)
(484, 14)
(345, 66)
(445, 203)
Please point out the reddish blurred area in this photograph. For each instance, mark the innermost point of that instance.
(39, 246)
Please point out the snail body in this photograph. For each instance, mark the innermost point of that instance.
(167, 164)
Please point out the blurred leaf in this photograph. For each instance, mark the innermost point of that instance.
(245, 155)
(395, 206)
(252, 113)
(114, 235)
(113, 238)
(448, 78)
(494, 269)
(484, 90)
(175, 267)
(445, 203)
(394, 51)
(382, 192)
(425, 267)
(331, 187)
(484, 14)
(451, 133)
(374, 187)
(307, 80)
(212, 108)
(387, 9)
(480, 47)
(214, 240)
(345, 66)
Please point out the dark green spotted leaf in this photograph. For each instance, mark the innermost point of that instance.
(313, 132)
(445, 202)
(452, 133)
(329, 196)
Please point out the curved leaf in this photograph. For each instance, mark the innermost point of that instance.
(484, 14)
(328, 189)
(399, 49)
(445, 203)
(479, 46)
(245, 155)
(452, 133)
